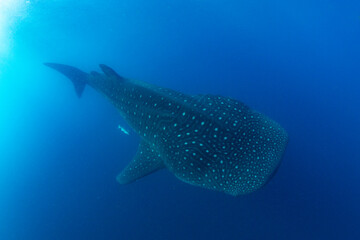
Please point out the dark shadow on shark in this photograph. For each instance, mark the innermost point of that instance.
(209, 141)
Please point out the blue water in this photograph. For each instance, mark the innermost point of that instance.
(296, 61)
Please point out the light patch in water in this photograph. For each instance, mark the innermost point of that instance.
(10, 11)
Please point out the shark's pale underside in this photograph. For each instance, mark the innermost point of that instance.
(209, 141)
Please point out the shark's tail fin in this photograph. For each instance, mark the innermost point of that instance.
(78, 77)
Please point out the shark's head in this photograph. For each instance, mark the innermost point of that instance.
(221, 144)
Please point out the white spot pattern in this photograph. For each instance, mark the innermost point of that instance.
(209, 141)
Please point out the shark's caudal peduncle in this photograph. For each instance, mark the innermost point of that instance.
(208, 141)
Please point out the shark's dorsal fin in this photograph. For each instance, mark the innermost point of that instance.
(110, 72)
(146, 161)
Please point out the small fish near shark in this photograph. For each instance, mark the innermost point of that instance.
(208, 141)
(123, 130)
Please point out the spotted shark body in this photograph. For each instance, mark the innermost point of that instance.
(209, 141)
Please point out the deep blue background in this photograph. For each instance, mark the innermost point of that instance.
(295, 61)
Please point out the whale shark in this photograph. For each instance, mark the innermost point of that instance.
(209, 141)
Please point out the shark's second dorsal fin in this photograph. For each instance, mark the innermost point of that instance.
(146, 161)
(110, 72)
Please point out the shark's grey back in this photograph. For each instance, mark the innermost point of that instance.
(224, 145)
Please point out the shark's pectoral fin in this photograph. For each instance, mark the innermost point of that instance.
(146, 161)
